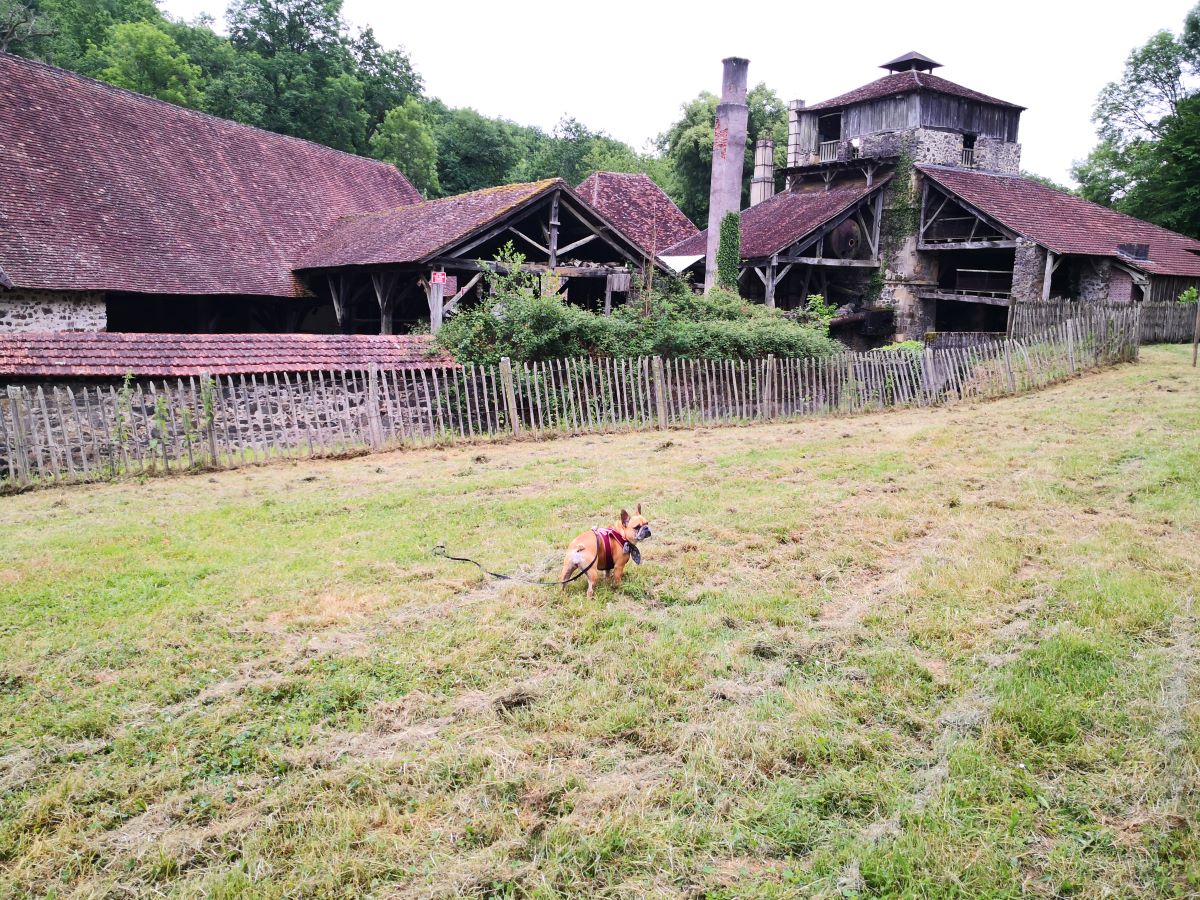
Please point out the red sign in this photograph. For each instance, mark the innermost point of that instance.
(437, 278)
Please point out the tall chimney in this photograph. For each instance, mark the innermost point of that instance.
(763, 185)
(729, 154)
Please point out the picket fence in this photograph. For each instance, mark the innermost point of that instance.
(54, 433)
(1160, 323)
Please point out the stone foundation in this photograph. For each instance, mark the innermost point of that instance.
(52, 311)
(1095, 278)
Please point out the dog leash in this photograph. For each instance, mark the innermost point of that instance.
(440, 550)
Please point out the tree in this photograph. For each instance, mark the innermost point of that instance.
(1170, 195)
(140, 57)
(473, 151)
(405, 139)
(78, 25)
(687, 147)
(21, 24)
(1141, 120)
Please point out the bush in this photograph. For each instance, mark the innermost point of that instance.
(520, 322)
(1189, 296)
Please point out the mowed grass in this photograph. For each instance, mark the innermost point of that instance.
(931, 653)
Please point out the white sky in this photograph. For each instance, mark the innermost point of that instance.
(626, 67)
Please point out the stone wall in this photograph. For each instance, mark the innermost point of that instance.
(1095, 278)
(1029, 271)
(938, 148)
(52, 311)
(1120, 288)
(995, 155)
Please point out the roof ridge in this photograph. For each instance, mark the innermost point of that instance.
(87, 79)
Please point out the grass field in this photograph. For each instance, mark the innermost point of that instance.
(943, 652)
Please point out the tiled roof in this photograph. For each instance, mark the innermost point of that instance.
(780, 221)
(1065, 223)
(104, 189)
(903, 83)
(112, 354)
(417, 232)
(639, 207)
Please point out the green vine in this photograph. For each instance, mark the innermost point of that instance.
(729, 251)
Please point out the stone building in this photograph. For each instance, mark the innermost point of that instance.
(903, 204)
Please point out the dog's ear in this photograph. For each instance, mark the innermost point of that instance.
(624, 517)
(639, 509)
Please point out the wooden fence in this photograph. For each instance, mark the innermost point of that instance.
(1160, 323)
(54, 433)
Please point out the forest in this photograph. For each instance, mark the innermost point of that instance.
(298, 67)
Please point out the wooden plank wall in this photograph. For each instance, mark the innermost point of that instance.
(55, 434)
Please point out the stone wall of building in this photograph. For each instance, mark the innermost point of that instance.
(52, 311)
(1029, 271)
(937, 148)
(1095, 279)
(995, 155)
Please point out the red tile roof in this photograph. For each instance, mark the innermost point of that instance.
(639, 207)
(1065, 223)
(112, 354)
(104, 189)
(903, 83)
(780, 221)
(418, 232)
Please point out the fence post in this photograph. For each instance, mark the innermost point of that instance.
(510, 394)
(660, 390)
(373, 416)
(20, 442)
(768, 411)
(1012, 381)
(1070, 329)
(1195, 335)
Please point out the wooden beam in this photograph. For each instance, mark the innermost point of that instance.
(531, 241)
(552, 243)
(384, 283)
(968, 245)
(448, 306)
(769, 283)
(337, 291)
(836, 263)
(783, 272)
(471, 265)
(1048, 275)
(963, 298)
(562, 251)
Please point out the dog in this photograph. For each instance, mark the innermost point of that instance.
(606, 549)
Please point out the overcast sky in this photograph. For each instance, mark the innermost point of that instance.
(626, 67)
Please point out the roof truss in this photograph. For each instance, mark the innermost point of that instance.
(948, 222)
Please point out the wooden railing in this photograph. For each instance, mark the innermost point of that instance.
(968, 157)
(828, 151)
(53, 433)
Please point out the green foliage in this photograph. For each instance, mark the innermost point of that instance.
(1146, 163)
(21, 24)
(818, 311)
(903, 347)
(405, 139)
(729, 251)
(1190, 296)
(520, 321)
(139, 56)
(687, 147)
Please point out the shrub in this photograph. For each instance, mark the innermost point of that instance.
(1189, 296)
(520, 322)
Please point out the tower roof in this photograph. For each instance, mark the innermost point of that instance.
(910, 61)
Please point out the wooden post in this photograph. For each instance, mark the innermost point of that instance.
(552, 243)
(19, 464)
(608, 289)
(434, 293)
(1196, 336)
(510, 395)
(385, 293)
(373, 417)
(769, 284)
(660, 393)
(341, 306)
(1012, 381)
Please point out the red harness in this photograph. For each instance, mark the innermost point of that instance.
(609, 537)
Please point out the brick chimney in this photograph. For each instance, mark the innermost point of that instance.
(729, 154)
(762, 186)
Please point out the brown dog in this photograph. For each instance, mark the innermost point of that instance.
(604, 550)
